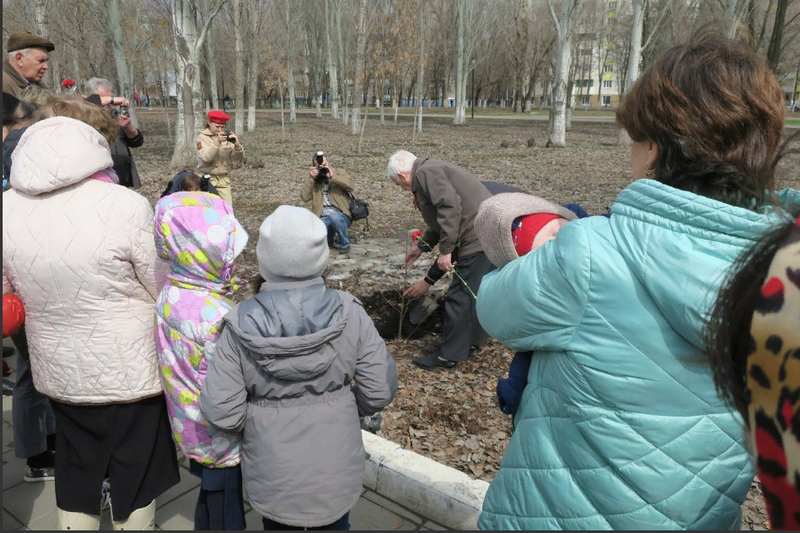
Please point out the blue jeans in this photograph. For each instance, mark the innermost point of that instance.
(337, 224)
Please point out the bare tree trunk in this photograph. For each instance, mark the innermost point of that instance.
(775, 42)
(290, 62)
(460, 15)
(188, 42)
(212, 68)
(379, 93)
(364, 122)
(421, 64)
(634, 56)
(123, 72)
(239, 65)
(252, 67)
(40, 10)
(337, 18)
(283, 123)
(334, 82)
(395, 100)
(361, 47)
(731, 17)
(558, 114)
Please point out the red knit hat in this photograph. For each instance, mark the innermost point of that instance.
(218, 117)
(524, 230)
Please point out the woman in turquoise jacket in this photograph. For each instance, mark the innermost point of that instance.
(620, 426)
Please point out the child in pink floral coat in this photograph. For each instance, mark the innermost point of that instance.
(198, 236)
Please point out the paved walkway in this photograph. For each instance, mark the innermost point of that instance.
(33, 505)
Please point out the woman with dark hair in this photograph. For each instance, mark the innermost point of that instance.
(620, 425)
(753, 342)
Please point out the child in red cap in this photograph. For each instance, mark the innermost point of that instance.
(510, 225)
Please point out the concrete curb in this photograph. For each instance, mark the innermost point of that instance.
(430, 489)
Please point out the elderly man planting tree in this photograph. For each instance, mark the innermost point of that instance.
(26, 62)
(448, 198)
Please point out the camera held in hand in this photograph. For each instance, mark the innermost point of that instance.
(116, 112)
(228, 137)
(323, 172)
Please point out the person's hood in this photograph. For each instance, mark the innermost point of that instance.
(290, 328)
(681, 246)
(197, 234)
(56, 153)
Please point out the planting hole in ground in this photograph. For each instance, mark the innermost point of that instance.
(386, 307)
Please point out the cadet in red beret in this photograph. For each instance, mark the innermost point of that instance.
(216, 149)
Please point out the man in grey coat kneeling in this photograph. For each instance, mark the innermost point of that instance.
(295, 367)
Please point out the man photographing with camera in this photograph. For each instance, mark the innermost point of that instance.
(328, 189)
(100, 92)
(216, 148)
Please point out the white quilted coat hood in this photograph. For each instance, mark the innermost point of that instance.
(54, 153)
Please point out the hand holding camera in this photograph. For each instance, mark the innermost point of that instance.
(321, 170)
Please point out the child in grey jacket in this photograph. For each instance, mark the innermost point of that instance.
(295, 367)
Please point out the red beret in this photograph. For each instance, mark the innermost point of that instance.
(218, 116)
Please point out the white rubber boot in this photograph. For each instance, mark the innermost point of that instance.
(78, 521)
(139, 520)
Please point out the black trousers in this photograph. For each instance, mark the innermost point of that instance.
(130, 442)
(461, 327)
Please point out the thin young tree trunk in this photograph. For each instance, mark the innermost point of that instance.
(212, 68)
(252, 67)
(775, 42)
(290, 63)
(634, 56)
(334, 82)
(283, 122)
(421, 65)
(361, 46)
(379, 93)
(239, 61)
(363, 123)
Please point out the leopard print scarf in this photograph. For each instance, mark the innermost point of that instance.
(773, 381)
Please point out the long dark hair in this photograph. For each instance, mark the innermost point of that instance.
(727, 334)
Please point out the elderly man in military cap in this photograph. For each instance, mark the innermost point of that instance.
(216, 149)
(26, 62)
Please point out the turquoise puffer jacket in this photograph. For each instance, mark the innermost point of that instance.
(620, 426)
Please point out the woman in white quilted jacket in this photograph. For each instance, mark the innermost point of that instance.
(79, 251)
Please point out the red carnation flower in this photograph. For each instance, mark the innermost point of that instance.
(416, 234)
(67, 84)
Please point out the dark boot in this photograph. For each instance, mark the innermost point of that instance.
(433, 361)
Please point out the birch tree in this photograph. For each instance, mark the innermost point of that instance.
(238, 47)
(211, 65)
(189, 38)
(332, 72)
(421, 65)
(257, 15)
(634, 56)
(556, 130)
(361, 46)
(288, 21)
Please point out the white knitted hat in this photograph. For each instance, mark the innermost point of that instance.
(292, 245)
(496, 215)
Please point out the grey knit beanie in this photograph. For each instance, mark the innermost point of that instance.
(292, 245)
(496, 215)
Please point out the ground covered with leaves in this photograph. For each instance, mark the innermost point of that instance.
(449, 416)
